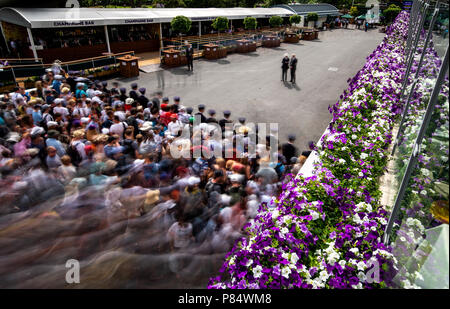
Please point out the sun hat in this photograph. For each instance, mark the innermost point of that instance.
(129, 101)
(151, 197)
(147, 125)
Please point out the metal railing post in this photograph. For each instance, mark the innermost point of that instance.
(416, 149)
(424, 49)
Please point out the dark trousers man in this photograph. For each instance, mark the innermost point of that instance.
(190, 63)
(284, 75)
(292, 76)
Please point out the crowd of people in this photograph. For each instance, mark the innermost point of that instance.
(71, 135)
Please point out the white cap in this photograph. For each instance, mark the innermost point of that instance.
(37, 130)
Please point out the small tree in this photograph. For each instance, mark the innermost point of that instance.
(295, 19)
(391, 12)
(312, 16)
(220, 24)
(250, 23)
(354, 11)
(181, 24)
(275, 21)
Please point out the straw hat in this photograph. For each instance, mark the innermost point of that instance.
(151, 197)
(78, 133)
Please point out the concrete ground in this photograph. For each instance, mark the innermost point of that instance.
(250, 84)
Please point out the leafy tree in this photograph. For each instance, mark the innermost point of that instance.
(295, 19)
(172, 3)
(391, 12)
(181, 24)
(313, 16)
(353, 11)
(275, 21)
(250, 23)
(220, 24)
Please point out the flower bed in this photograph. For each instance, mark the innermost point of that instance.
(325, 231)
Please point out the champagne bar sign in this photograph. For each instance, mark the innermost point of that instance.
(73, 23)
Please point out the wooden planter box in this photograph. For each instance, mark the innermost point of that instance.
(211, 51)
(251, 46)
(316, 34)
(183, 60)
(222, 52)
(291, 38)
(171, 58)
(242, 46)
(129, 66)
(308, 35)
(231, 49)
(271, 41)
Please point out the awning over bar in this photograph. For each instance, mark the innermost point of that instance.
(86, 17)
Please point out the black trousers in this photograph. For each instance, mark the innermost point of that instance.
(293, 76)
(190, 63)
(284, 75)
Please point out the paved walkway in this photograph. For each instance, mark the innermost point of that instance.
(249, 84)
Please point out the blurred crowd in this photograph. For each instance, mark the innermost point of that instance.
(73, 147)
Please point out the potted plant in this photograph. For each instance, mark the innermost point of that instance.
(312, 18)
(250, 23)
(220, 24)
(275, 21)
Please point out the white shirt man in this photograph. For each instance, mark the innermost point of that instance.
(174, 127)
(118, 127)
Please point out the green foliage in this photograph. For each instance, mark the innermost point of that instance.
(354, 11)
(220, 23)
(250, 23)
(391, 12)
(275, 21)
(172, 3)
(313, 16)
(295, 19)
(181, 24)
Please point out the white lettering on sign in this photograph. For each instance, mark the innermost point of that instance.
(138, 21)
(175, 56)
(73, 23)
(124, 63)
(133, 63)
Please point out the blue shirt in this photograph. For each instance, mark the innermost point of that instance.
(58, 146)
(37, 117)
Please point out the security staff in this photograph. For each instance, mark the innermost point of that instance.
(225, 120)
(293, 67)
(284, 67)
(201, 109)
(190, 56)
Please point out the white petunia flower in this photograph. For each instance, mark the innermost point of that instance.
(285, 272)
(257, 271)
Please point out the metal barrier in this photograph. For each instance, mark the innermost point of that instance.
(416, 32)
(10, 72)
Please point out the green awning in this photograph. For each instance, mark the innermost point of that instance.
(361, 17)
(347, 16)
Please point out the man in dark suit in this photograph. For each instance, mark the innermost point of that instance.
(190, 57)
(284, 67)
(293, 67)
(201, 110)
(225, 120)
(288, 149)
(134, 92)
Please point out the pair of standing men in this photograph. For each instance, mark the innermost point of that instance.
(286, 64)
